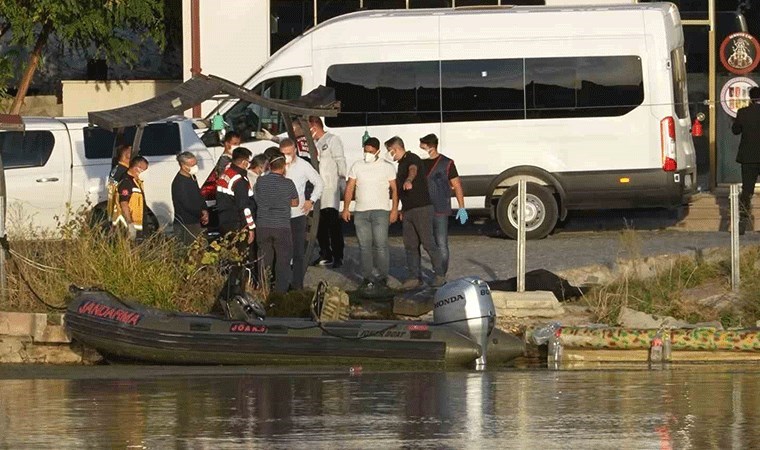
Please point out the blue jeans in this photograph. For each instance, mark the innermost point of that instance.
(441, 236)
(372, 233)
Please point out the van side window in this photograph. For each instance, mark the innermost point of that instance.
(678, 71)
(473, 87)
(386, 93)
(583, 87)
(158, 139)
(247, 118)
(26, 148)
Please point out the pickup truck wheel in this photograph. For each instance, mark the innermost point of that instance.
(99, 217)
(150, 223)
(541, 212)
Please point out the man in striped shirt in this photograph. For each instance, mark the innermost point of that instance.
(275, 195)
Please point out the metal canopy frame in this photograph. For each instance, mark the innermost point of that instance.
(319, 102)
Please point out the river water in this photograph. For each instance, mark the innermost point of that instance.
(693, 406)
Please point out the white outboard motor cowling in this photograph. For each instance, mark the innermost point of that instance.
(466, 305)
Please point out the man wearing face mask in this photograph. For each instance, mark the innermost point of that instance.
(258, 167)
(442, 179)
(417, 215)
(332, 169)
(300, 172)
(132, 198)
(234, 196)
(231, 142)
(372, 180)
(189, 206)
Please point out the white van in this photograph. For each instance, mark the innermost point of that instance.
(57, 162)
(587, 103)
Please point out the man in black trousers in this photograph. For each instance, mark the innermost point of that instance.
(747, 124)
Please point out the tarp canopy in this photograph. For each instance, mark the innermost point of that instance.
(319, 102)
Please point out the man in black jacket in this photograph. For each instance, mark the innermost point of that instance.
(189, 206)
(234, 196)
(747, 124)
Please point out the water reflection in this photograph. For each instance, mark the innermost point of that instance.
(703, 407)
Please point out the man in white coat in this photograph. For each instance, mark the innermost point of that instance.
(332, 168)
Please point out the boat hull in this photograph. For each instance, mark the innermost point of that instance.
(126, 332)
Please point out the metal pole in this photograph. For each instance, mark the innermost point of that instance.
(3, 237)
(711, 87)
(735, 272)
(521, 199)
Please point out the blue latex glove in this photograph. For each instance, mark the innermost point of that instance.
(462, 216)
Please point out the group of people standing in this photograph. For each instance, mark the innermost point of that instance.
(423, 188)
(268, 198)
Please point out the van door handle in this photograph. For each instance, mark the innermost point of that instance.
(47, 180)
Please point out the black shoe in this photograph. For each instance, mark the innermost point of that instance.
(337, 263)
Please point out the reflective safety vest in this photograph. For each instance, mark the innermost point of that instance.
(234, 210)
(117, 174)
(133, 188)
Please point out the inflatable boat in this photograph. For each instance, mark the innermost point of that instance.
(462, 333)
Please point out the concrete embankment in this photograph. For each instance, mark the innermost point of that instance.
(39, 338)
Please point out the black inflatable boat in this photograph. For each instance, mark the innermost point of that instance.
(462, 333)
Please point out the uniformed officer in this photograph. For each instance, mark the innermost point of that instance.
(132, 198)
(234, 196)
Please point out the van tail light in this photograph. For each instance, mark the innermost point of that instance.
(668, 144)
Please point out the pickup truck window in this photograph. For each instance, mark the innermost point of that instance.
(26, 149)
(159, 139)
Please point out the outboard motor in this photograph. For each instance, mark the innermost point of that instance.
(466, 305)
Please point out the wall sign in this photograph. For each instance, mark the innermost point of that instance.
(740, 53)
(735, 94)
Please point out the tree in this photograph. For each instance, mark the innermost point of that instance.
(110, 29)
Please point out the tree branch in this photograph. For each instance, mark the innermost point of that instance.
(31, 67)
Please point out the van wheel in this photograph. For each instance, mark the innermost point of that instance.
(541, 212)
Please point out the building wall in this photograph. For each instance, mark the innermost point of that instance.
(234, 39)
(81, 97)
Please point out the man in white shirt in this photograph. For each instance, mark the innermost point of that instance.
(372, 179)
(332, 169)
(301, 172)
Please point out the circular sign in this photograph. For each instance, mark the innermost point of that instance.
(740, 53)
(735, 94)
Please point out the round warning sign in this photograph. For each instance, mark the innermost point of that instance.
(735, 94)
(740, 53)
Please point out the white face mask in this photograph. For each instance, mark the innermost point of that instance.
(193, 170)
(370, 157)
(423, 154)
(288, 159)
(142, 175)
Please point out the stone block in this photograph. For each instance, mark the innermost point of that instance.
(411, 306)
(527, 304)
(13, 349)
(51, 334)
(630, 318)
(21, 324)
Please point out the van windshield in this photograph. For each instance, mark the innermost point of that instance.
(680, 96)
(247, 118)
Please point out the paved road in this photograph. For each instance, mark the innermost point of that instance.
(480, 250)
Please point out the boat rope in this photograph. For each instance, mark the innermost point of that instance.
(35, 264)
(35, 295)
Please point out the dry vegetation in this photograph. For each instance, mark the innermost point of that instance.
(663, 292)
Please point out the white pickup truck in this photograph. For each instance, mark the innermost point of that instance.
(57, 162)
